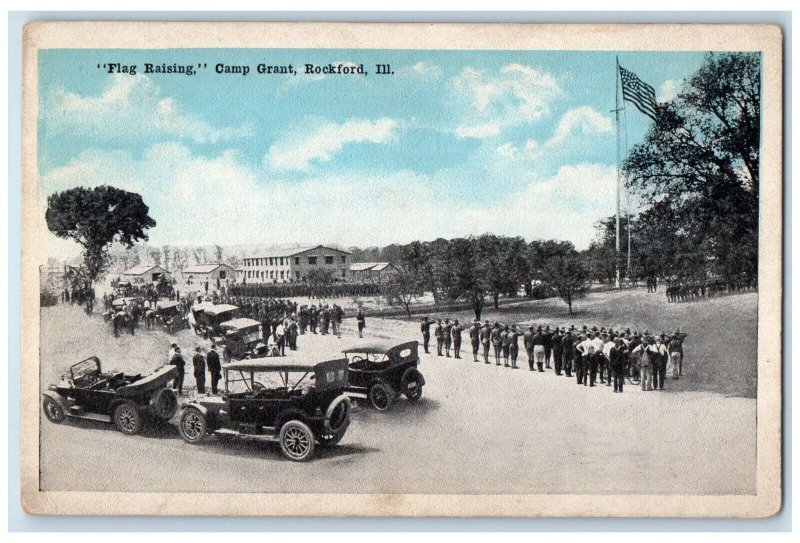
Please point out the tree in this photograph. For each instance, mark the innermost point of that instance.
(698, 166)
(97, 217)
(566, 273)
(402, 288)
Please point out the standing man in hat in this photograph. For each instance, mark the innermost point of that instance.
(660, 367)
(456, 332)
(548, 345)
(557, 348)
(497, 342)
(474, 338)
(438, 333)
(178, 361)
(538, 348)
(447, 331)
(675, 348)
(504, 341)
(425, 328)
(617, 364)
(361, 321)
(567, 350)
(214, 367)
(486, 335)
(513, 345)
(527, 344)
(199, 363)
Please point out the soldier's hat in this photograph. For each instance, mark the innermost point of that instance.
(485, 321)
(594, 328)
(425, 318)
(174, 345)
(572, 327)
(530, 326)
(539, 328)
(476, 321)
(647, 332)
(456, 321)
(547, 327)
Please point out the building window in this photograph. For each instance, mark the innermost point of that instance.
(297, 275)
(312, 260)
(222, 275)
(297, 260)
(344, 259)
(281, 274)
(271, 274)
(281, 261)
(328, 260)
(344, 274)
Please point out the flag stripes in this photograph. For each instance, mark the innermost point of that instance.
(639, 93)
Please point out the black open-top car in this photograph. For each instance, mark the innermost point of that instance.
(382, 371)
(297, 403)
(126, 400)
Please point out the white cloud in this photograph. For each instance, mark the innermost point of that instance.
(321, 142)
(131, 107)
(518, 94)
(220, 199)
(668, 90)
(423, 69)
(570, 131)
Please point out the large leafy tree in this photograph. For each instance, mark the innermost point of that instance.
(566, 273)
(698, 167)
(97, 217)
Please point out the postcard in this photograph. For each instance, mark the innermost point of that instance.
(424, 270)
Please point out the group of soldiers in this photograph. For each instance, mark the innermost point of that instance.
(680, 290)
(304, 289)
(589, 353)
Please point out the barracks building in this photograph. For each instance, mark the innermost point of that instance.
(294, 264)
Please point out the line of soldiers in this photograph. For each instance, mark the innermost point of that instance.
(611, 355)
(680, 290)
(298, 289)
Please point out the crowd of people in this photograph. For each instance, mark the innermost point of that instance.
(681, 290)
(305, 289)
(588, 353)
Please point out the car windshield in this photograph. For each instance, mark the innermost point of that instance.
(90, 366)
(240, 381)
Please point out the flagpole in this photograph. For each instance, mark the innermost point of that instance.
(616, 116)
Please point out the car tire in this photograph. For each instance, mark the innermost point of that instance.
(128, 419)
(380, 396)
(192, 425)
(297, 441)
(53, 410)
(411, 377)
(165, 404)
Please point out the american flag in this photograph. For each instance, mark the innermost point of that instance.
(636, 91)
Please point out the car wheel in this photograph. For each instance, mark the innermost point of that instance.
(380, 396)
(165, 404)
(297, 441)
(127, 418)
(193, 425)
(53, 410)
(412, 385)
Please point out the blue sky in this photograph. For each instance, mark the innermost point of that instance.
(454, 143)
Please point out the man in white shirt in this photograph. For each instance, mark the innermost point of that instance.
(595, 358)
(280, 334)
(605, 370)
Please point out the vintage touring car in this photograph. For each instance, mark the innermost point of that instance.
(297, 403)
(170, 315)
(242, 336)
(126, 400)
(382, 371)
(209, 319)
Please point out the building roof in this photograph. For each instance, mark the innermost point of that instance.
(143, 269)
(204, 268)
(291, 251)
(374, 266)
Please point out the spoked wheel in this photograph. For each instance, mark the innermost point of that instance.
(53, 410)
(412, 385)
(127, 418)
(165, 404)
(380, 396)
(297, 441)
(193, 426)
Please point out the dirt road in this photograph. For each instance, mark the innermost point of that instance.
(478, 429)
